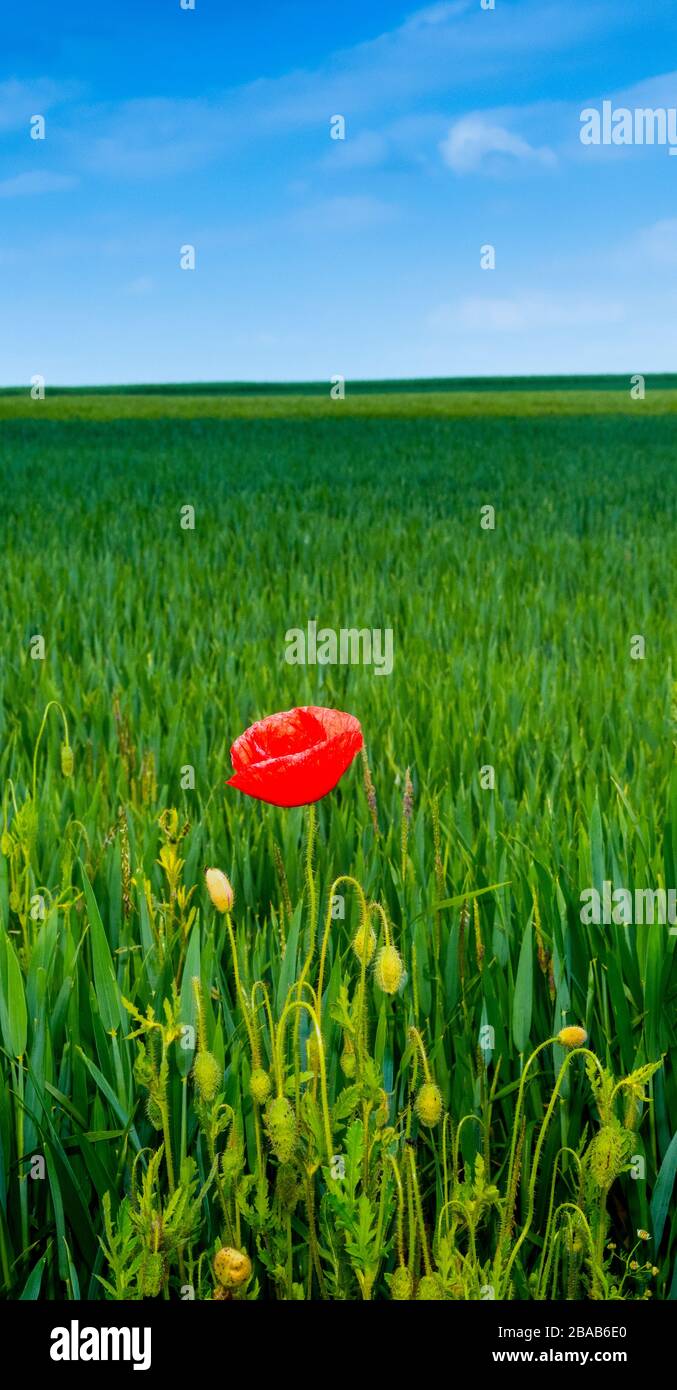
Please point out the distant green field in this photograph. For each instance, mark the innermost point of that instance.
(230, 404)
(512, 651)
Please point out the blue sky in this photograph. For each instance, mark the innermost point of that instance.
(316, 256)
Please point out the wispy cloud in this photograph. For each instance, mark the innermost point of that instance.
(525, 313)
(548, 132)
(462, 125)
(476, 141)
(148, 138)
(447, 45)
(21, 100)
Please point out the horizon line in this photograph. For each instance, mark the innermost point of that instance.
(263, 387)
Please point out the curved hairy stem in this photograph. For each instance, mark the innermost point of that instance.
(537, 1154)
(364, 917)
(302, 1004)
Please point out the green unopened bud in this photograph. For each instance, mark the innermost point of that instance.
(429, 1104)
(280, 1123)
(364, 943)
(66, 760)
(232, 1160)
(260, 1085)
(206, 1075)
(401, 1284)
(389, 970)
(152, 1274)
(430, 1289)
(154, 1113)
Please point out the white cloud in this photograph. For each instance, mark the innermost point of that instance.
(561, 121)
(34, 182)
(477, 140)
(525, 313)
(442, 47)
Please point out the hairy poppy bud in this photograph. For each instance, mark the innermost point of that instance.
(364, 943)
(232, 1267)
(572, 1037)
(260, 1085)
(401, 1284)
(154, 1113)
(206, 1075)
(220, 890)
(232, 1159)
(389, 970)
(66, 760)
(280, 1122)
(152, 1274)
(429, 1104)
(430, 1289)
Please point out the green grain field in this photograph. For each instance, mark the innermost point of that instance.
(124, 1176)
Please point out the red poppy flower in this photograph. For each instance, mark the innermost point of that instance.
(295, 757)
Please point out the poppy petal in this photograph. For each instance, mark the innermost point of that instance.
(295, 757)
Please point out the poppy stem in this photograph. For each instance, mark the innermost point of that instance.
(239, 992)
(415, 1037)
(418, 1208)
(300, 1004)
(310, 894)
(400, 1211)
(310, 876)
(364, 922)
(256, 1055)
